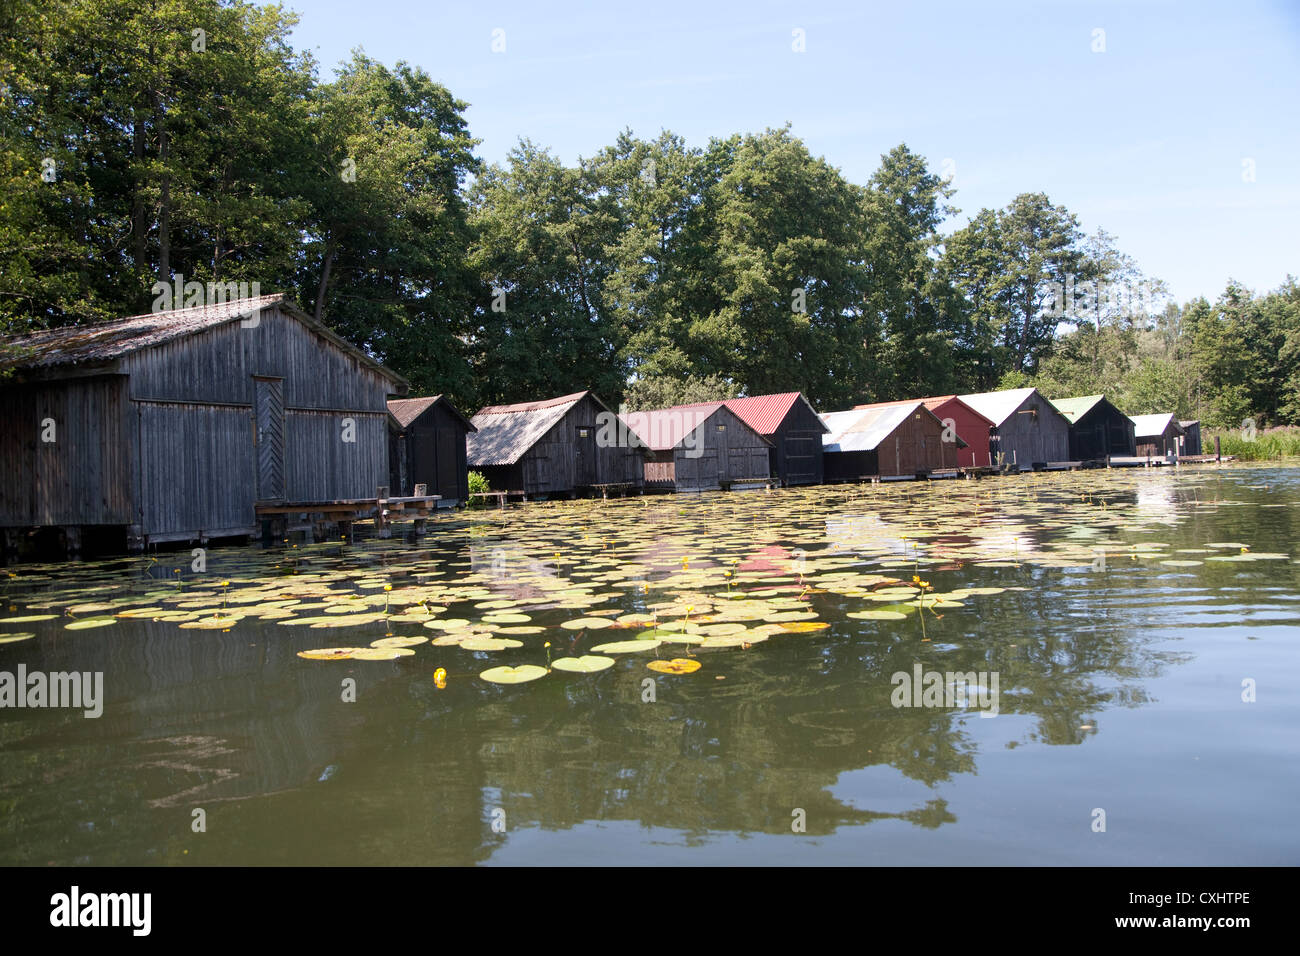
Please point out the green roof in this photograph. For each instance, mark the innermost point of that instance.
(1076, 408)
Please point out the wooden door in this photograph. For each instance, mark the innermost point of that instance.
(584, 456)
(268, 435)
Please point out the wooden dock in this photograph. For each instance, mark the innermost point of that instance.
(384, 510)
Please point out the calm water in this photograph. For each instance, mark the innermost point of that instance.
(1120, 688)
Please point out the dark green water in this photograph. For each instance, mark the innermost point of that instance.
(1120, 688)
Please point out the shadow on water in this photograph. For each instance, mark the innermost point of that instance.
(288, 771)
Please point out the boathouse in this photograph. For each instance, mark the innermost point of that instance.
(175, 425)
(428, 448)
(891, 439)
(1027, 432)
(556, 446)
(1097, 428)
(792, 428)
(1191, 436)
(700, 447)
(974, 450)
(1157, 436)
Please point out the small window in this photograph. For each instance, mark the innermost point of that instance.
(722, 428)
(582, 433)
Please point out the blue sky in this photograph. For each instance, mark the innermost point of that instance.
(1153, 139)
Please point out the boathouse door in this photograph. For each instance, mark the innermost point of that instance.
(584, 456)
(268, 435)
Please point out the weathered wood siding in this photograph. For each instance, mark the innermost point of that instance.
(219, 365)
(435, 454)
(321, 464)
(198, 468)
(915, 447)
(83, 477)
(796, 453)
(552, 465)
(1104, 430)
(198, 461)
(1035, 433)
(727, 450)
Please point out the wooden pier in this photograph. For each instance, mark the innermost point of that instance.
(343, 513)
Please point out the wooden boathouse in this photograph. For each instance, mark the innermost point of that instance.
(1098, 429)
(1191, 436)
(700, 447)
(176, 426)
(887, 440)
(794, 430)
(974, 450)
(428, 448)
(1027, 433)
(555, 447)
(1157, 436)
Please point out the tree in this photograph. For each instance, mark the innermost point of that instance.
(1013, 267)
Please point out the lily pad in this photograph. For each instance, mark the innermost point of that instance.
(513, 675)
(330, 653)
(678, 665)
(87, 623)
(627, 647)
(381, 653)
(587, 664)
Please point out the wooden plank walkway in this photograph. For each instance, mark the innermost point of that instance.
(383, 509)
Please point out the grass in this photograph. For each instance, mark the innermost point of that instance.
(1267, 443)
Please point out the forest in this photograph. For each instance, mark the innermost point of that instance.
(188, 138)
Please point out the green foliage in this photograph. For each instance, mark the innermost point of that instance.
(653, 271)
(478, 483)
(1264, 444)
(663, 391)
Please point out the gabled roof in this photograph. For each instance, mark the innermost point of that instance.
(765, 413)
(1148, 426)
(107, 341)
(504, 433)
(407, 410)
(1076, 408)
(863, 428)
(997, 407)
(932, 403)
(665, 428)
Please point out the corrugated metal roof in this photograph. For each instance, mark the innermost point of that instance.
(665, 428)
(1076, 408)
(506, 432)
(106, 341)
(407, 410)
(997, 407)
(571, 399)
(765, 413)
(1148, 426)
(933, 402)
(863, 429)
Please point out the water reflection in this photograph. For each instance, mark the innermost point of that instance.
(288, 771)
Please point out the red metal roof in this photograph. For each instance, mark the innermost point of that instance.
(530, 406)
(764, 413)
(931, 403)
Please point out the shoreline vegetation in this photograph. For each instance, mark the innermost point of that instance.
(1268, 444)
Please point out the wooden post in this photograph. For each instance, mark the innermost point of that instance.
(1218, 450)
(381, 523)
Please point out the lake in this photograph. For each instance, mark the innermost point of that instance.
(1096, 667)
